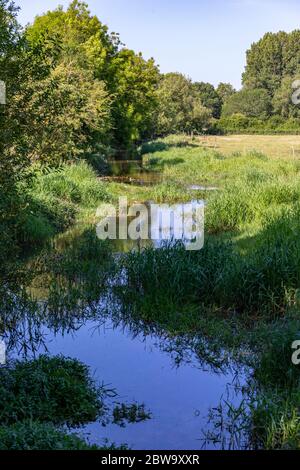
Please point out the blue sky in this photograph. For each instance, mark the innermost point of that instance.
(203, 39)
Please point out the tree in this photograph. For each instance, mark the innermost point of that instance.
(209, 97)
(13, 161)
(282, 101)
(251, 103)
(63, 114)
(130, 81)
(134, 89)
(265, 64)
(179, 107)
(225, 91)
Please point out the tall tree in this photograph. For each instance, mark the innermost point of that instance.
(129, 80)
(180, 108)
(209, 97)
(265, 62)
(251, 103)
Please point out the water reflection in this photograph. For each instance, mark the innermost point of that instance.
(75, 313)
(153, 225)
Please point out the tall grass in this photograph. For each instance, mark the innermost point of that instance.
(57, 197)
(263, 282)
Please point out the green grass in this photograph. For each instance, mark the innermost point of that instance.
(57, 198)
(199, 165)
(54, 390)
(32, 436)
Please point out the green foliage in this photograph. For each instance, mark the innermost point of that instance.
(54, 390)
(282, 100)
(273, 65)
(134, 107)
(66, 112)
(240, 124)
(30, 436)
(118, 85)
(248, 102)
(209, 97)
(265, 64)
(180, 108)
(225, 90)
(271, 59)
(13, 162)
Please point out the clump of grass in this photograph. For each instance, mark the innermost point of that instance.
(56, 199)
(275, 368)
(40, 436)
(275, 420)
(161, 282)
(169, 192)
(246, 201)
(46, 216)
(55, 390)
(75, 183)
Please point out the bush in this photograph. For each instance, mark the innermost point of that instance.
(241, 124)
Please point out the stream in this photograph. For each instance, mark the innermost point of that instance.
(167, 375)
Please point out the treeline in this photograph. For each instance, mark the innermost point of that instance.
(265, 104)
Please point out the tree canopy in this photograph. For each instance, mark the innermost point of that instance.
(180, 107)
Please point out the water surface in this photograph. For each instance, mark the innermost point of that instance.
(179, 395)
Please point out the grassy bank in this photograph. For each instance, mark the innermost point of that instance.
(57, 199)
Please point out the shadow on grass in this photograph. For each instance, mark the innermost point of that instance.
(160, 146)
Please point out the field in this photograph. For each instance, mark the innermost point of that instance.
(280, 146)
